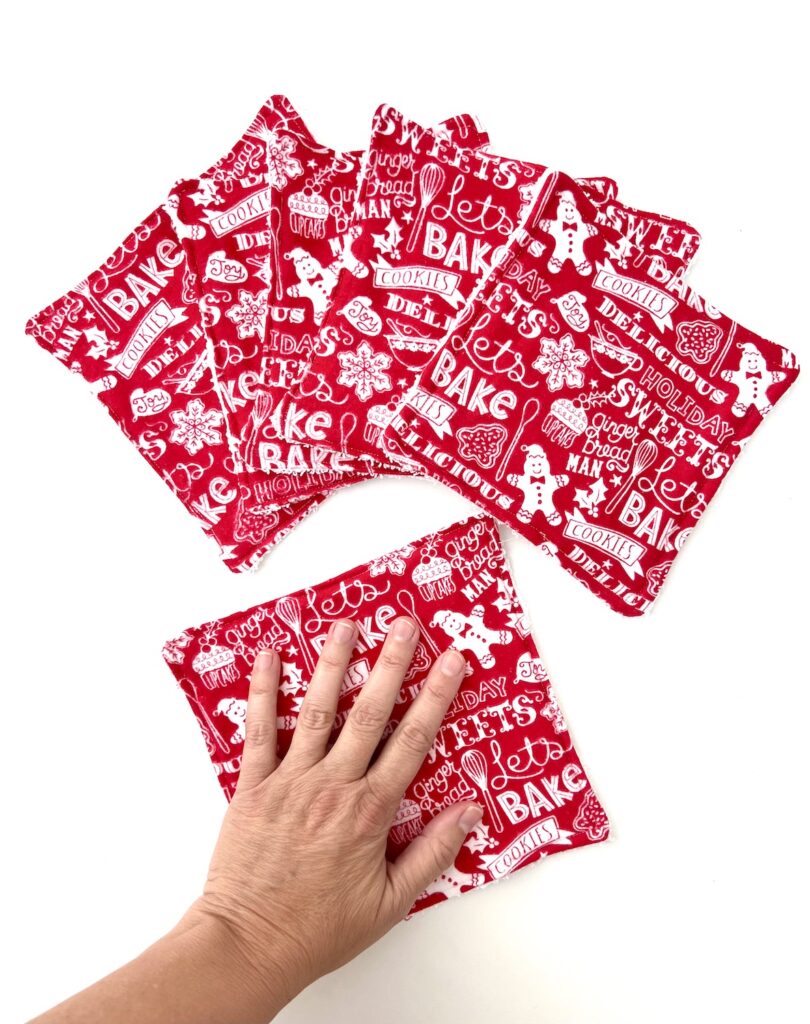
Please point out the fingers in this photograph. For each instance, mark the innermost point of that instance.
(403, 754)
(430, 853)
(371, 711)
(317, 714)
(260, 754)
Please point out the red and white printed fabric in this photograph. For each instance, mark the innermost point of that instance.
(503, 742)
(589, 404)
(265, 246)
(432, 218)
(132, 329)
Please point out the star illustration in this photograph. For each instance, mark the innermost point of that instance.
(293, 650)
(426, 300)
(407, 217)
(637, 317)
(607, 564)
(312, 163)
(403, 382)
(594, 383)
(615, 480)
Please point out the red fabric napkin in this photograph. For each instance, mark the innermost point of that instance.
(503, 742)
(132, 329)
(589, 405)
(432, 219)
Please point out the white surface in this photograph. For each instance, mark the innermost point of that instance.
(692, 721)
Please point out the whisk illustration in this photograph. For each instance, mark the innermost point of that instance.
(261, 410)
(83, 288)
(643, 458)
(431, 179)
(473, 763)
(289, 611)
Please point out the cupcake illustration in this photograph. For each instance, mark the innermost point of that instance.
(564, 421)
(407, 821)
(377, 419)
(433, 576)
(308, 213)
(215, 665)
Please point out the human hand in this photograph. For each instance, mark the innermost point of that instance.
(299, 877)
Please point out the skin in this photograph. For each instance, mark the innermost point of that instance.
(299, 883)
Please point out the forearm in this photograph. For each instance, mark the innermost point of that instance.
(195, 974)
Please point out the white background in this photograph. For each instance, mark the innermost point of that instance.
(691, 721)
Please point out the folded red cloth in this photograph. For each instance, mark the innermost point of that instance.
(503, 742)
(133, 331)
(589, 405)
(432, 218)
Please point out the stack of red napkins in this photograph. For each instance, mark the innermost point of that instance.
(296, 319)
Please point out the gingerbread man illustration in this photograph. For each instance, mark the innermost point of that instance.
(235, 711)
(752, 380)
(469, 633)
(570, 233)
(316, 282)
(538, 484)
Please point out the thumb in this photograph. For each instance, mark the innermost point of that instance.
(431, 853)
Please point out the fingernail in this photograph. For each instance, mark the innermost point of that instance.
(451, 663)
(265, 659)
(342, 632)
(403, 629)
(470, 818)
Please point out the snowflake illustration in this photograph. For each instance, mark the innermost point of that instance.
(282, 165)
(393, 562)
(364, 369)
(196, 427)
(249, 314)
(562, 362)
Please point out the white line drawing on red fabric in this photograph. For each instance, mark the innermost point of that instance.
(215, 665)
(469, 633)
(538, 485)
(451, 882)
(475, 767)
(481, 443)
(220, 741)
(528, 414)
(561, 361)
(643, 457)
(431, 179)
(752, 380)
(570, 233)
(235, 711)
(289, 611)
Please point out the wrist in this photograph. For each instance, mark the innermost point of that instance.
(257, 974)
